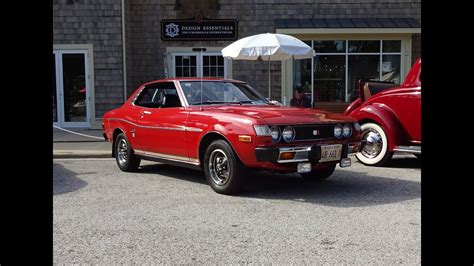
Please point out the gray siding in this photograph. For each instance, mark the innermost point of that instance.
(98, 23)
(254, 16)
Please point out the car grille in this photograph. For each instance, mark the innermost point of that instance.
(305, 132)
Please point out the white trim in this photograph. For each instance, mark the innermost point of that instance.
(92, 121)
(124, 54)
(312, 75)
(60, 88)
(346, 73)
(350, 31)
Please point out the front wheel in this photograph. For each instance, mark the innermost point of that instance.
(223, 169)
(319, 174)
(375, 151)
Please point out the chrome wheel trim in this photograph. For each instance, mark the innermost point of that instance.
(219, 167)
(373, 145)
(122, 152)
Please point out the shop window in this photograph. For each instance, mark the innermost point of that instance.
(329, 46)
(364, 47)
(329, 78)
(362, 67)
(339, 64)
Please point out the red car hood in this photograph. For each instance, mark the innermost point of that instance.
(282, 114)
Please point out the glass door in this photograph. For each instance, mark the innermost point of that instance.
(71, 101)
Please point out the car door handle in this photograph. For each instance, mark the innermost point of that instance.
(147, 112)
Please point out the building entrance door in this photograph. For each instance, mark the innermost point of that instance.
(71, 88)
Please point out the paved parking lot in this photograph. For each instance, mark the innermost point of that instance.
(168, 214)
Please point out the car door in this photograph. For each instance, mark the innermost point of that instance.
(162, 123)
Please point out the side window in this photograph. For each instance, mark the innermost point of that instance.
(145, 99)
(159, 95)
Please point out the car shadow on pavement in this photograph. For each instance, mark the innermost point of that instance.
(403, 162)
(174, 172)
(342, 189)
(65, 180)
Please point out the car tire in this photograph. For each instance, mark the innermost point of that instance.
(224, 172)
(319, 174)
(376, 153)
(126, 160)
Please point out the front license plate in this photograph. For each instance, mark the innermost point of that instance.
(331, 153)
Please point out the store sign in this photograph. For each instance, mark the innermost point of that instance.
(198, 29)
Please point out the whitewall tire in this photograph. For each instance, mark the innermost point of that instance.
(375, 150)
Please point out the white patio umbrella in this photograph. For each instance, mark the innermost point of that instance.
(268, 47)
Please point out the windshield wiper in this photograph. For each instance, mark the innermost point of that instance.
(222, 102)
(208, 102)
(241, 102)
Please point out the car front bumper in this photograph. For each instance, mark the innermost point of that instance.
(304, 153)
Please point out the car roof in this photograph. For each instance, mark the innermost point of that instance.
(192, 79)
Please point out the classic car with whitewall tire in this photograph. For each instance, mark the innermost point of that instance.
(226, 128)
(390, 118)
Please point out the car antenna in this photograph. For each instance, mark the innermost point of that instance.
(201, 78)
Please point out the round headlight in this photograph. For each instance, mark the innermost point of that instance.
(288, 134)
(347, 130)
(275, 133)
(338, 131)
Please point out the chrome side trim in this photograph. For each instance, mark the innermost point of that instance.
(300, 156)
(193, 129)
(410, 149)
(180, 128)
(169, 157)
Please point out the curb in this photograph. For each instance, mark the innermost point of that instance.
(65, 154)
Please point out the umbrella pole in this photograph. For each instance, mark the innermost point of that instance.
(269, 81)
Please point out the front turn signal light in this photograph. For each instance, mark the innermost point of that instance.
(245, 138)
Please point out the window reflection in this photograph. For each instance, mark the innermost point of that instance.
(329, 78)
(362, 67)
(364, 46)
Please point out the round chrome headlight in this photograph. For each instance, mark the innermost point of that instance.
(338, 131)
(288, 134)
(347, 130)
(275, 133)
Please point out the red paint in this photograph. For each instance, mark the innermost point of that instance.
(228, 121)
(397, 110)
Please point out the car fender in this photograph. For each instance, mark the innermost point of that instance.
(230, 132)
(385, 117)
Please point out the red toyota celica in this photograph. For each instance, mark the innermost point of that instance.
(225, 128)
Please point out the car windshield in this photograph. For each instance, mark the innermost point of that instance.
(220, 92)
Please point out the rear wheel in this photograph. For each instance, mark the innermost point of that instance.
(375, 150)
(223, 169)
(126, 159)
(319, 174)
